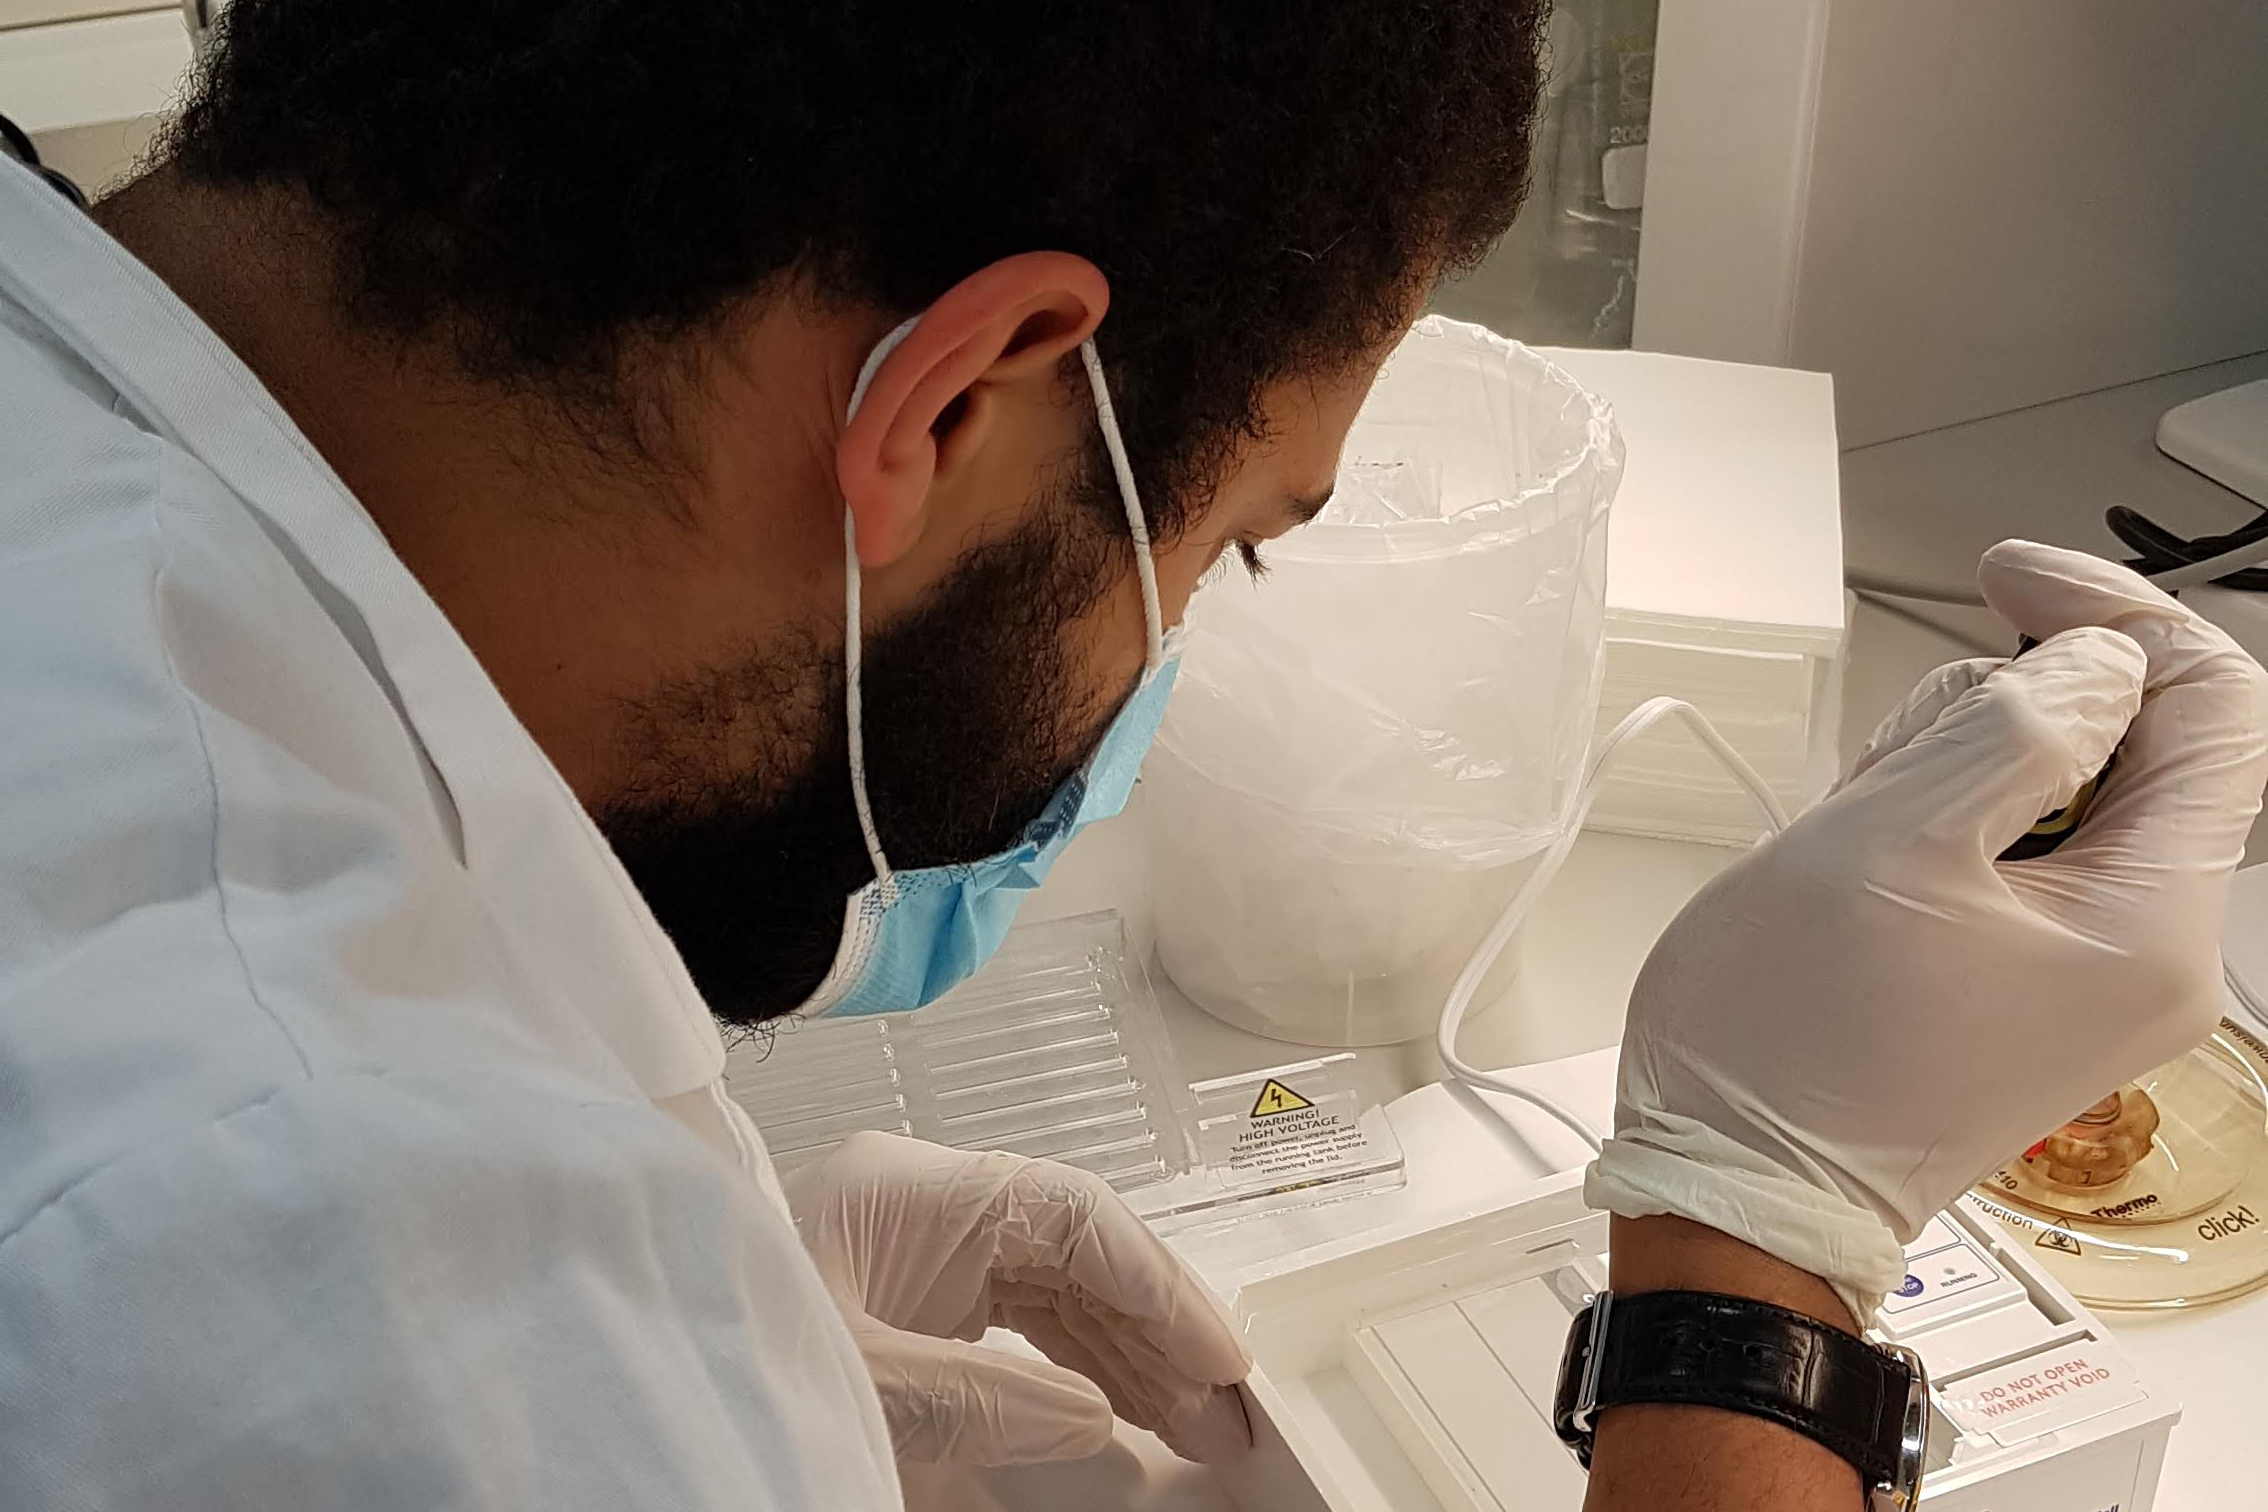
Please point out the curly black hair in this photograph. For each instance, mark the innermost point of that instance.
(549, 183)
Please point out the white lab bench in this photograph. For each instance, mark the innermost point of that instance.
(1580, 954)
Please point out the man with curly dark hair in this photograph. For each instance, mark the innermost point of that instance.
(531, 524)
(647, 253)
(536, 525)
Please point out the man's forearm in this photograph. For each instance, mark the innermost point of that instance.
(1701, 1459)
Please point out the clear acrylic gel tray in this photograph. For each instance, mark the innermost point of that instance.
(1057, 1049)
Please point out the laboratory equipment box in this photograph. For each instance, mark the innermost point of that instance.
(1411, 1369)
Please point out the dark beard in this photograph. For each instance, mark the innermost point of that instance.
(974, 716)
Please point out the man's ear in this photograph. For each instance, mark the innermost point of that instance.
(1015, 320)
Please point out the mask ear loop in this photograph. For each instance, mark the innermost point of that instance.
(1145, 569)
(1153, 618)
(854, 702)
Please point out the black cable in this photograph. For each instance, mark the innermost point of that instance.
(17, 143)
(2123, 518)
(2170, 560)
(2161, 550)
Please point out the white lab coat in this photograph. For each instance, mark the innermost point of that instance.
(362, 1140)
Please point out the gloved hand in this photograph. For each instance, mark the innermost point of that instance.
(1866, 1014)
(924, 1247)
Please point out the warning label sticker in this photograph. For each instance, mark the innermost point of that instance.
(1305, 1140)
(2049, 1237)
(2043, 1393)
(1291, 1135)
(1277, 1098)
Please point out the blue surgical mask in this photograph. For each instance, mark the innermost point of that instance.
(911, 936)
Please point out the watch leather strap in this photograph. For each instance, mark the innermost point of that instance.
(1701, 1349)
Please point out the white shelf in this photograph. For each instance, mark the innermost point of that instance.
(96, 72)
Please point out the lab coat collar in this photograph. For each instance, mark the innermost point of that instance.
(584, 935)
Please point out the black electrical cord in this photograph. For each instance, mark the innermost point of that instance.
(2161, 550)
(15, 142)
(2173, 562)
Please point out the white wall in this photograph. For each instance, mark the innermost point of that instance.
(90, 90)
(2020, 200)
(1728, 176)
(1957, 207)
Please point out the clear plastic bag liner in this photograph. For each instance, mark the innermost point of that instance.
(1421, 667)
(1366, 753)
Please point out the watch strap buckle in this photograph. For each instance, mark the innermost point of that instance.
(1576, 1420)
(1902, 1492)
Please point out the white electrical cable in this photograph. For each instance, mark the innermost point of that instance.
(1883, 585)
(2190, 574)
(1882, 603)
(1460, 1000)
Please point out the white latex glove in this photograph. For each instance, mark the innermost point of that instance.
(1866, 1014)
(925, 1247)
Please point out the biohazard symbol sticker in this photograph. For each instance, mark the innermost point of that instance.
(2057, 1239)
(1275, 1098)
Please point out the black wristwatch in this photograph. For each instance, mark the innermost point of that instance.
(1869, 1403)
